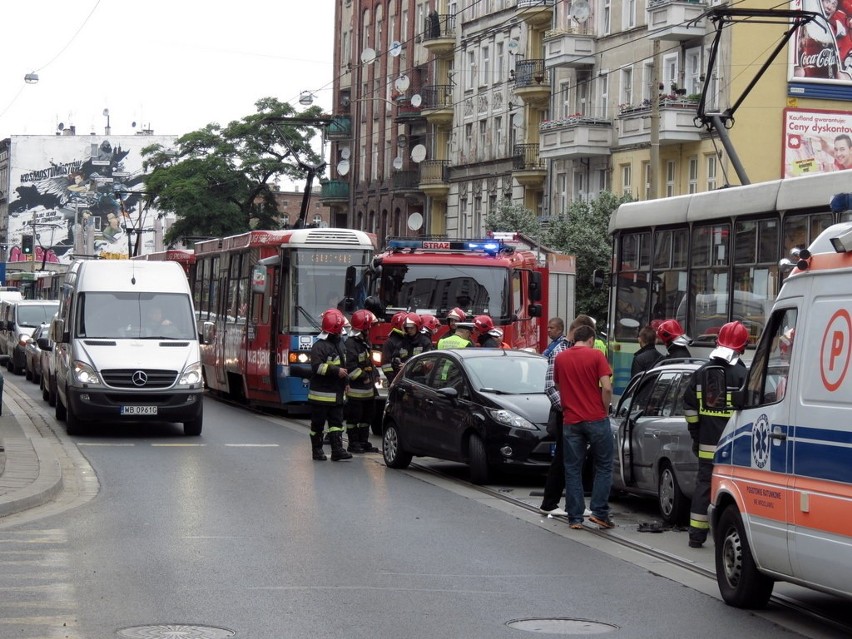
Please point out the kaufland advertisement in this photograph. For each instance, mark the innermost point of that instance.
(816, 142)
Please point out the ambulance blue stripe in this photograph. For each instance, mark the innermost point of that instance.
(824, 434)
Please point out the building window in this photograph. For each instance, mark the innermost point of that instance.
(693, 175)
(670, 71)
(498, 136)
(711, 172)
(692, 71)
(648, 80)
(629, 18)
(603, 180)
(471, 65)
(477, 217)
(626, 86)
(579, 184)
(561, 192)
(462, 230)
(468, 138)
(485, 72)
(483, 139)
(317, 220)
(626, 178)
(646, 177)
(606, 17)
(603, 83)
(670, 178)
(581, 97)
(498, 63)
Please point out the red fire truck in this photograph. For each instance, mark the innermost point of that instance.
(519, 285)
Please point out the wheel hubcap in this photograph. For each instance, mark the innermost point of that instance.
(732, 557)
(666, 492)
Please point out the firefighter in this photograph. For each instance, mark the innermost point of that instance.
(329, 378)
(459, 339)
(361, 392)
(489, 336)
(391, 361)
(707, 407)
(431, 324)
(454, 316)
(674, 338)
(415, 341)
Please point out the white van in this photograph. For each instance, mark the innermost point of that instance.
(126, 348)
(781, 502)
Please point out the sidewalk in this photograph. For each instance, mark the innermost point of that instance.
(30, 471)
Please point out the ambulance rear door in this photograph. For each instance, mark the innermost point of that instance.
(821, 504)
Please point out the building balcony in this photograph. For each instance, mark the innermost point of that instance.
(575, 137)
(340, 128)
(569, 48)
(435, 178)
(437, 104)
(675, 20)
(532, 82)
(406, 112)
(676, 123)
(406, 181)
(536, 13)
(529, 167)
(334, 192)
(439, 34)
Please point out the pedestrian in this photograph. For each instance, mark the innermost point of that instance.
(589, 321)
(582, 376)
(707, 407)
(329, 378)
(361, 392)
(489, 336)
(459, 339)
(647, 355)
(674, 338)
(554, 483)
(391, 360)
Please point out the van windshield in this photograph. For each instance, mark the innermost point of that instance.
(36, 314)
(135, 315)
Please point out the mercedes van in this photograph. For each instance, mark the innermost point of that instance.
(126, 348)
(781, 500)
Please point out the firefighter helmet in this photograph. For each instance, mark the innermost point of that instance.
(333, 322)
(412, 319)
(483, 323)
(733, 335)
(456, 314)
(397, 320)
(430, 323)
(362, 320)
(669, 330)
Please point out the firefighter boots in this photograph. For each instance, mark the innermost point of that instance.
(338, 452)
(355, 443)
(316, 447)
(364, 433)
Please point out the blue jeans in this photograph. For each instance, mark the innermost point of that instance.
(597, 436)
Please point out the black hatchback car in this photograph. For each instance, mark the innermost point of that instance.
(484, 407)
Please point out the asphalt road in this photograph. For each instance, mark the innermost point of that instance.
(239, 530)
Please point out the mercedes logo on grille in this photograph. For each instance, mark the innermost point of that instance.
(139, 378)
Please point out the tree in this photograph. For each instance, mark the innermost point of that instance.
(583, 231)
(217, 180)
(512, 217)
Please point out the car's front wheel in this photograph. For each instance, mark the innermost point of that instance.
(740, 582)
(479, 471)
(393, 452)
(674, 506)
(192, 428)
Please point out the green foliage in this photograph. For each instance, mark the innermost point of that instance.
(583, 231)
(511, 217)
(217, 180)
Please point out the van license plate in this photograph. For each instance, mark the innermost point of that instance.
(138, 410)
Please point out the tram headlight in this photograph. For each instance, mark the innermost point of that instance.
(190, 377)
(300, 357)
(83, 373)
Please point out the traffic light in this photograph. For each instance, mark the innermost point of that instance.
(27, 244)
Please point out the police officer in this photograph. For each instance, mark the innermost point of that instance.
(391, 361)
(674, 338)
(329, 378)
(489, 336)
(460, 339)
(707, 407)
(361, 392)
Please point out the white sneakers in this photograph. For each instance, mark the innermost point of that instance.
(555, 512)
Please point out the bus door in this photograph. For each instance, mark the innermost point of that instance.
(220, 321)
(259, 336)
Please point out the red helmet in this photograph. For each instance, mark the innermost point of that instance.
(669, 330)
(333, 322)
(456, 314)
(733, 335)
(398, 320)
(430, 323)
(483, 323)
(362, 320)
(412, 319)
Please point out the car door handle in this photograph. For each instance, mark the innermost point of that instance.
(430, 401)
(778, 436)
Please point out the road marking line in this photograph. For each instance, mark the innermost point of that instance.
(178, 445)
(101, 444)
(253, 445)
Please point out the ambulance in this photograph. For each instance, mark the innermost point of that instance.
(781, 500)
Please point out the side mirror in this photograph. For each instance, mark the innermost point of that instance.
(598, 279)
(535, 286)
(44, 343)
(348, 305)
(349, 282)
(207, 331)
(450, 393)
(534, 310)
(373, 305)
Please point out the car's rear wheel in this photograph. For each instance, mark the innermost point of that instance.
(479, 471)
(740, 582)
(674, 506)
(392, 450)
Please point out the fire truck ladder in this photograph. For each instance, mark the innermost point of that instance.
(721, 17)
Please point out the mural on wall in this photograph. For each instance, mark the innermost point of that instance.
(79, 192)
(816, 141)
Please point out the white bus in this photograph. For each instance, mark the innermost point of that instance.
(687, 257)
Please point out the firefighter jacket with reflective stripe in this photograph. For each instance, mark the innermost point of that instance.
(706, 424)
(391, 354)
(362, 374)
(420, 343)
(328, 356)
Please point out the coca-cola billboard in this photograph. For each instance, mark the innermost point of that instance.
(821, 51)
(816, 142)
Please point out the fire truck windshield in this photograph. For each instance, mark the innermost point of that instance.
(436, 288)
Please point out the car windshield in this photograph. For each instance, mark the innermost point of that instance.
(135, 315)
(512, 375)
(36, 314)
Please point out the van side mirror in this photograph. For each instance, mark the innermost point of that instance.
(598, 279)
(373, 305)
(535, 286)
(44, 343)
(534, 310)
(349, 282)
(207, 329)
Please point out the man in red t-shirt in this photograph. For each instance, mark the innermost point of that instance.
(582, 375)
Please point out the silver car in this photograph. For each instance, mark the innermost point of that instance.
(653, 448)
